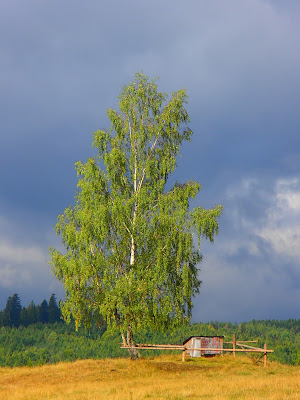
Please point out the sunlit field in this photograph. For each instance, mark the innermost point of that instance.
(164, 377)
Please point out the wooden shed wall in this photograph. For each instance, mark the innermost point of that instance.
(204, 341)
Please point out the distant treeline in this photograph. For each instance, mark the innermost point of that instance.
(40, 343)
(36, 335)
(14, 315)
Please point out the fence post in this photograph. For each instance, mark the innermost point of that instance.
(265, 355)
(233, 344)
(183, 355)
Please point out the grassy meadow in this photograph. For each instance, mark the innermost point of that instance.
(163, 377)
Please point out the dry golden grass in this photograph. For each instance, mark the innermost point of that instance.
(164, 377)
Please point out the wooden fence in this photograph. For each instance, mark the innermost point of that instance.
(238, 346)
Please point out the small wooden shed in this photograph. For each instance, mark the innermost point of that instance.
(202, 343)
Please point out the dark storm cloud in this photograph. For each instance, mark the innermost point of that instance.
(255, 261)
(64, 63)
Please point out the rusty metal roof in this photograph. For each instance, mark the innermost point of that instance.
(203, 336)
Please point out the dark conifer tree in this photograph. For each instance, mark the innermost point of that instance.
(24, 317)
(12, 312)
(32, 313)
(53, 310)
(7, 312)
(43, 312)
(16, 310)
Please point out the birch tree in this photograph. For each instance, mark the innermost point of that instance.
(132, 246)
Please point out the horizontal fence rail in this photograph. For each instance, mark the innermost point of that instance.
(182, 348)
(240, 343)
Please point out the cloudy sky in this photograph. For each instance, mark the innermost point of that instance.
(63, 64)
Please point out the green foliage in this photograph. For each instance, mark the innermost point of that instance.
(42, 312)
(43, 343)
(53, 310)
(32, 313)
(11, 315)
(15, 315)
(130, 243)
(51, 343)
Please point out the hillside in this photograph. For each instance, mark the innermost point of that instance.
(163, 377)
(39, 344)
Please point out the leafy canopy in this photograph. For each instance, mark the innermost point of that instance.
(131, 257)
